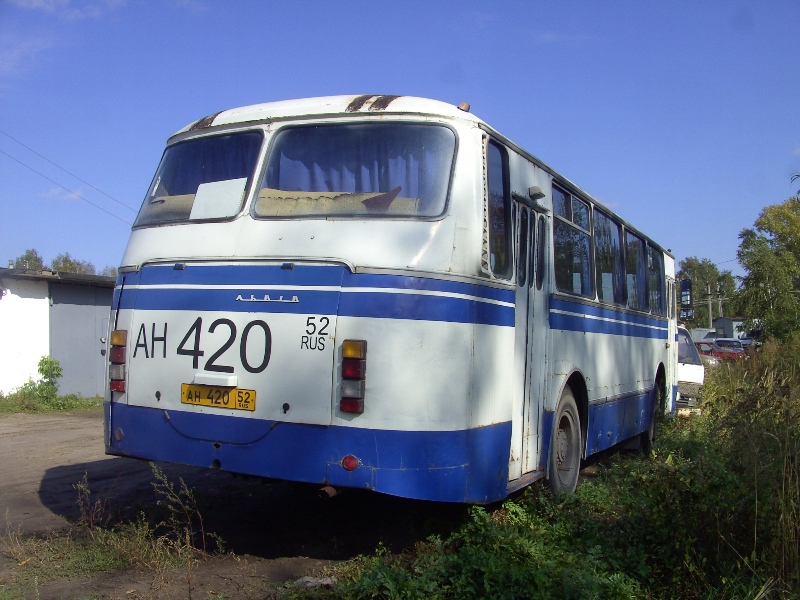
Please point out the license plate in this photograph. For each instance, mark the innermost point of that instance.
(218, 397)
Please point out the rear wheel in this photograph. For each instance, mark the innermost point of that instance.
(647, 438)
(565, 448)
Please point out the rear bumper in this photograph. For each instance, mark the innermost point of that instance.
(450, 466)
(689, 389)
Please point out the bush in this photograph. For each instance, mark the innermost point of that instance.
(42, 395)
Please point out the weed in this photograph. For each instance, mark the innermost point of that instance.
(183, 514)
(91, 545)
(91, 513)
(13, 542)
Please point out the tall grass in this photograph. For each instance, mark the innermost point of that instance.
(711, 513)
(752, 414)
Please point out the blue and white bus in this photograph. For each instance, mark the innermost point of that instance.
(382, 292)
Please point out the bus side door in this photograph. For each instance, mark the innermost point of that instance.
(530, 340)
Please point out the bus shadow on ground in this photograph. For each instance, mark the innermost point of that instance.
(251, 516)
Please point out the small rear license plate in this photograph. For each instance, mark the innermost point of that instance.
(218, 397)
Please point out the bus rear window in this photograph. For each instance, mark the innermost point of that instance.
(201, 179)
(365, 169)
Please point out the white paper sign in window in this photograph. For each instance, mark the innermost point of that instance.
(218, 199)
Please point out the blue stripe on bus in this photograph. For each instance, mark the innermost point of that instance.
(606, 313)
(404, 282)
(451, 466)
(210, 299)
(585, 325)
(593, 319)
(379, 305)
(388, 304)
(242, 274)
(309, 275)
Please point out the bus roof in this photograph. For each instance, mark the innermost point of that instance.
(366, 104)
(332, 105)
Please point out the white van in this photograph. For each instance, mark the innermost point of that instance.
(691, 372)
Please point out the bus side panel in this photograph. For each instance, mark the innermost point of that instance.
(451, 466)
(618, 353)
(617, 420)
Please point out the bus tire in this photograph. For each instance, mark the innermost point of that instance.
(565, 449)
(648, 437)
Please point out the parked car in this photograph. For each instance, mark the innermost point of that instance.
(691, 372)
(730, 344)
(709, 348)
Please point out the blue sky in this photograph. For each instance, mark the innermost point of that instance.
(681, 116)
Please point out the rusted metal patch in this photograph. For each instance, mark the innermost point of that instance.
(204, 122)
(358, 102)
(382, 102)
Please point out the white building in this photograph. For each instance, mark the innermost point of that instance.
(62, 315)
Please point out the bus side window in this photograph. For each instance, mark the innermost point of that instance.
(522, 254)
(636, 271)
(655, 280)
(609, 268)
(533, 251)
(540, 253)
(499, 212)
(571, 244)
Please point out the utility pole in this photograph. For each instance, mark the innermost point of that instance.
(710, 319)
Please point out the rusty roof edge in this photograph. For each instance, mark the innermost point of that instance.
(187, 133)
(58, 277)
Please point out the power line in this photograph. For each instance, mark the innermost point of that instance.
(65, 189)
(65, 171)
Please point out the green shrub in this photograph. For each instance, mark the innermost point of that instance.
(42, 395)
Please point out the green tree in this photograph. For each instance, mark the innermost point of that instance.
(65, 263)
(29, 259)
(770, 256)
(705, 276)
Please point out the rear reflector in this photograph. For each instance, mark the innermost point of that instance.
(116, 372)
(352, 388)
(350, 462)
(117, 386)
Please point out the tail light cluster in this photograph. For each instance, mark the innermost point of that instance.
(116, 358)
(354, 372)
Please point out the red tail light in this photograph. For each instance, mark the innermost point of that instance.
(353, 376)
(353, 368)
(116, 358)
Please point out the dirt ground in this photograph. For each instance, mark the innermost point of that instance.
(275, 532)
